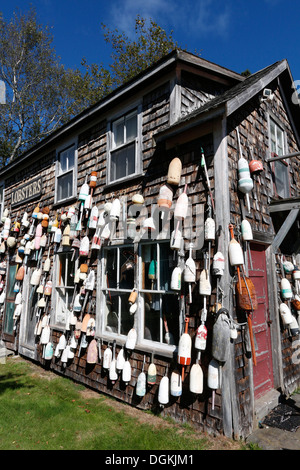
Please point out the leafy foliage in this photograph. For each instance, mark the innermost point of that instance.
(42, 95)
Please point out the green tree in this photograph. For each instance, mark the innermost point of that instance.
(36, 87)
(131, 56)
(42, 95)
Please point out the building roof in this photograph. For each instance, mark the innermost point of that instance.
(231, 99)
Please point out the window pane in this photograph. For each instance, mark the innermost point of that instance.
(123, 162)
(66, 270)
(118, 318)
(9, 322)
(66, 159)
(111, 269)
(161, 318)
(281, 179)
(118, 132)
(127, 265)
(149, 267)
(65, 186)
(131, 128)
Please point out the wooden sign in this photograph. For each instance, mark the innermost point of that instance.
(26, 192)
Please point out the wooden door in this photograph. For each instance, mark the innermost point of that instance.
(263, 371)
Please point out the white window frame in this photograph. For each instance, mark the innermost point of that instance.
(73, 170)
(279, 150)
(104, 291)
(146, 344)
(133, 109)
(57, 313)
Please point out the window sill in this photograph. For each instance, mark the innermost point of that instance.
(123, 181)
(65, 202)
(154, 348)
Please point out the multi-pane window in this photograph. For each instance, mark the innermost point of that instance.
(281, 170)
(123, 154)
(10, 301)
(65, 184)
(159, 304)
(118, 274)
(64, 286)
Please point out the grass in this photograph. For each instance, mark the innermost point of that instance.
(40, 411)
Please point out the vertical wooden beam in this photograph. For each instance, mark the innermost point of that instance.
(230, 405)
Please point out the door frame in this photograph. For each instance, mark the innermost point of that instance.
(26, 349)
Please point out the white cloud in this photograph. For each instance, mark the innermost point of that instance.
(195, 17)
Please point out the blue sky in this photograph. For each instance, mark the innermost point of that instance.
(236, 34)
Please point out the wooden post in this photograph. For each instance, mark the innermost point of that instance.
(230, 405)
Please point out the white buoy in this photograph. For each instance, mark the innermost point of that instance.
(107, 358)
(286, 289)
(115, 210)
(189, 273)
(93, 217)
(175, 384)
(163, 391)
(131, 339)
(176, 279)
(196, 379)
(141, 383)
(213, 378)
(218, 264)
(174, 171)
(236, 256)
(120, 360)
(204, 283)
(201, 337)
(286, 314)
(126, 372)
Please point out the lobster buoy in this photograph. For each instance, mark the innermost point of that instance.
(245, 183)
(181, 206)
(84, 192)
(201, 337)
(209, 229)
(131, 339)
(152, 272)
(93, 179)
(221, 336)
(189, 273)
(133, 296)
(213, 375)
(115, 210)
(174, 171)
(185, 347)
(48, 351)
(137, 199)
(196, 379)
(296, 273)
(93, 218)
(165, 197)
(175, 384)
(204, 283)
(176, 279)
(120, 360)
(66, 236)
(92, 352)
(286, 289)
(218, 264)
(286, 314)
(151, 374)
(107, 358)
(141, 382)
(126, 372)
(246, 231)
(163, 391)
(113, 375)
(176, 240)
(243, 289)
(84, 247)
(236, 256)
(255, 167)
